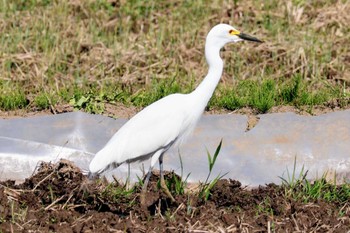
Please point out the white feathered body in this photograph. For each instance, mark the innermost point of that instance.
(156, 127)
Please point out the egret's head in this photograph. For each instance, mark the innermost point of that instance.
(222, 34)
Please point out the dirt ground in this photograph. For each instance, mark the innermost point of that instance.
(59, 198)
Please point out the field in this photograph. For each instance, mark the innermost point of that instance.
(98, 55)
(115, 57)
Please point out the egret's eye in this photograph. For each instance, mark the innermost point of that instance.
(234, 32)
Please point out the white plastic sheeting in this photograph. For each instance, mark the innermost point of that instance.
(259, 156)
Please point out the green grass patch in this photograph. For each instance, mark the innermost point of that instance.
(116, 192)
(321, 189)
(155, 92)
(45, 100)
(298, 187)
(12, 98)
(262, 95)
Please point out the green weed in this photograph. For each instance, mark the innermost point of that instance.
(293, 180)
(116, 191)
(87, 100)
(264, 207)
(205, 188)
(177, 184)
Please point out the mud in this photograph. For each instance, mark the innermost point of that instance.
(59, 198)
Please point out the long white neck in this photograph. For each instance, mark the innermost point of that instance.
(207, 87)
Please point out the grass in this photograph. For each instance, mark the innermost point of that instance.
(13, 99)
(117, 191)
(88, 53)
(18, 213)
(205, 188)
(268, 93)
(264, 207)
(298, 187)
(177, 183)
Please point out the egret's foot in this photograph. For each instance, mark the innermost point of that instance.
(166, 190)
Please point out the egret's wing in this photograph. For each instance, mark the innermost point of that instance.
(150, 130)
(153, 128)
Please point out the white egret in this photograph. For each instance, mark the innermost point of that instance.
(151, 132)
